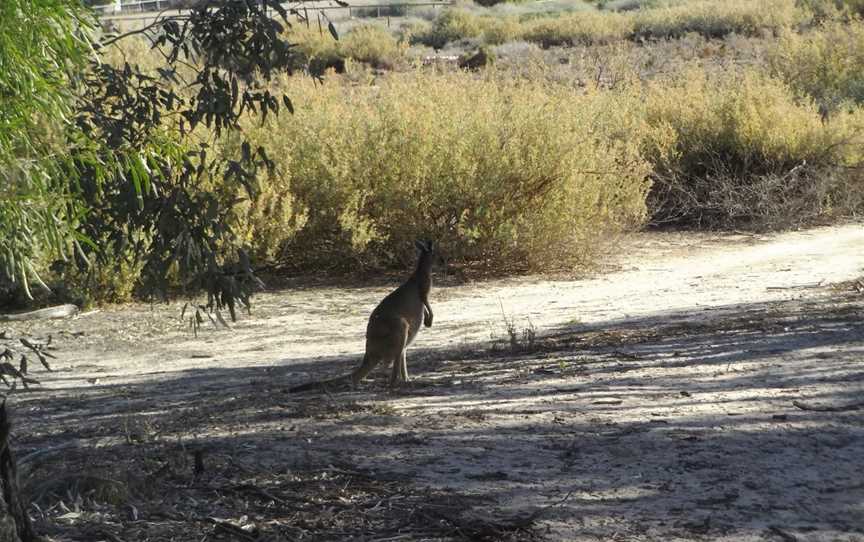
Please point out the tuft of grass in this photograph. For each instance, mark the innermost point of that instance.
(524, 340)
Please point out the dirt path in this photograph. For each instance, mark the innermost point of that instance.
(660, 273)
(657, 398)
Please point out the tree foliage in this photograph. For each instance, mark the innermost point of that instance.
(122, 172)
(40, 41)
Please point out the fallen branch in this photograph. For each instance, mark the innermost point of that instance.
(840, 408)
(60, 311)
(806, 286)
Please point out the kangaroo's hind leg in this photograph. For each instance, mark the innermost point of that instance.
(400, 364)
(403, 366)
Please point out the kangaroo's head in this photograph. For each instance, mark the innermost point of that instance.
(424, 246)
(429, 256)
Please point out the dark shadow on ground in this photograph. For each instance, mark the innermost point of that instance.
(675, 426)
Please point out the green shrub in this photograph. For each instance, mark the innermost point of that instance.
(506, 173)
(744, 150)
(718, 19)
(824, 63)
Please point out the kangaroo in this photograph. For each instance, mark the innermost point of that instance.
(392, 327)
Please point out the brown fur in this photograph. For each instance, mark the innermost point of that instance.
(392, 327)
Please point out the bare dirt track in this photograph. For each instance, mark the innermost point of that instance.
(651, 402)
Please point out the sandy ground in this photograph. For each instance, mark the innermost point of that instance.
(651, 402)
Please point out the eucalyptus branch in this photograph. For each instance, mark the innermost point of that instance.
(144, 30)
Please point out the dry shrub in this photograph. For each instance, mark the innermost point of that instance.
(272, 217)
(412, 30)
(496, 31)
(135, 50)
(368, 43)
(833, 9)
(717, 19)
(666, 19)
(744, 150)
(373, 45)
(506, 173)
(451, 25)
(316, 49)
(584, 28)
(632, 5)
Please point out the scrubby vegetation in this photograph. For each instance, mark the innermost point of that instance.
(825, 63)
(593, 118)
(666, 20)
(746, 150)
(317, 51)
(575, 29)
(718, 19)
(36, 208)
(505, 172)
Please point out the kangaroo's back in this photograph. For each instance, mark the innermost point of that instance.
(408, 303)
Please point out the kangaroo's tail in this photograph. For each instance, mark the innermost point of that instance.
(341, 383)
